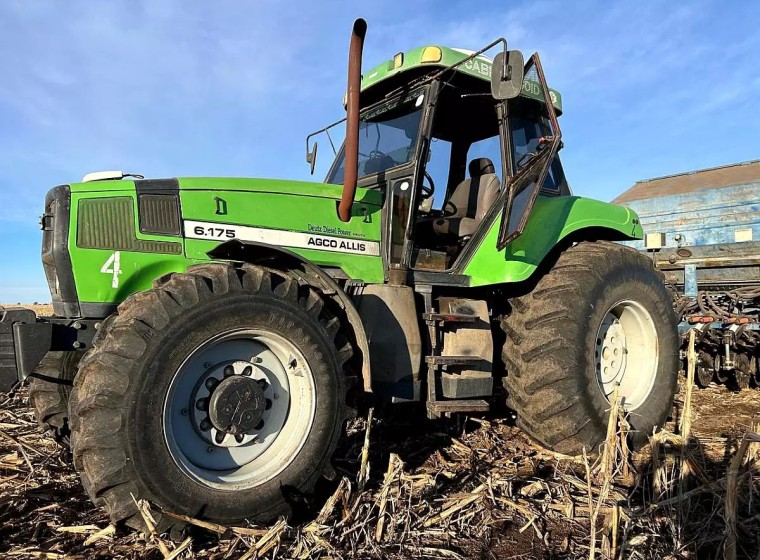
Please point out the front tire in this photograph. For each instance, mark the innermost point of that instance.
(49, 390)
(600, 318)
(219, 394)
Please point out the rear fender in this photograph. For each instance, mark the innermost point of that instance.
(554, 221)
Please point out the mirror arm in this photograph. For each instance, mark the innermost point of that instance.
(489, 46)
(329, 138)
(326, 130)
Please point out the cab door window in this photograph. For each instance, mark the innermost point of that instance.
(437, 167)
(526, 132)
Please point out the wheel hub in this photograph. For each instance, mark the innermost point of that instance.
(626, 354)
(239, 408)
(611, 351)
(231, 404)
(237, 405)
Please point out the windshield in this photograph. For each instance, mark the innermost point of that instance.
(387, 137)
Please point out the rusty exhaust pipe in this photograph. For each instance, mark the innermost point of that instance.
(352, 119)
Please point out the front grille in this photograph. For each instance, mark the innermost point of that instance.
(159, 214)
(109, 223)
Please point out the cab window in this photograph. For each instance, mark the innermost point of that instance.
(525, 134)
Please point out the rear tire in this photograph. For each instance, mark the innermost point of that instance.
(133, 396)
(557, 346)
(49, 390)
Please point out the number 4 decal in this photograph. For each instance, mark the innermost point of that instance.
(112, 266)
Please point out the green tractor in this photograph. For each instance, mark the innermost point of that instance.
(212, 336)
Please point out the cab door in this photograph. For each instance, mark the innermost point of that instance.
(531, 168)
(402, 186)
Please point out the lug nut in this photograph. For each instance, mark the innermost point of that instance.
(262, 383)
(268, 404)
(211, 383)
(248, 370)
(229, 371)
(205, 424)
(201, 404)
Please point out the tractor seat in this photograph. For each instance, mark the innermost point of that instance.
(469, 201)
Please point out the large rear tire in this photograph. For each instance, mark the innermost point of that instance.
(600, 318)
(49, 390)
(220, 394)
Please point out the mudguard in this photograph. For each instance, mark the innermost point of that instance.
(276, 257)
(553, 219)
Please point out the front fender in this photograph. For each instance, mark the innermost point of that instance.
(552, 220)
(277, 257)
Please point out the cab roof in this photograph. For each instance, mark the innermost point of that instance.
(417, 62)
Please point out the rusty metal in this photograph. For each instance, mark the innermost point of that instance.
(683, 183)
(352, 119)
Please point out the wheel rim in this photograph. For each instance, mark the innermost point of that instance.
(627, 353)
(239, 409)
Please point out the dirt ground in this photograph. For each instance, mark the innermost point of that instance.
(446, 489)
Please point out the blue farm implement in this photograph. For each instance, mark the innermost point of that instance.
(703, 232)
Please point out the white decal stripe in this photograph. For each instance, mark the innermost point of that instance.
(300, 240)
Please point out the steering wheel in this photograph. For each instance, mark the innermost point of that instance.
(426, 191)
(376, 154)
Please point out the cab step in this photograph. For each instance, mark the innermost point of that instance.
(454, 360)
(461, 405)
(449, 318)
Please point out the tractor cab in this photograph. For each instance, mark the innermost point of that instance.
(446, 151)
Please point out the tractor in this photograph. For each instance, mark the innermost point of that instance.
(211, 337)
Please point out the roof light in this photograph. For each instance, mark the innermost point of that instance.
(431, 54)
(398, 60)
(103, 176)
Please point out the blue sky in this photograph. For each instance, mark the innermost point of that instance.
(176, 88)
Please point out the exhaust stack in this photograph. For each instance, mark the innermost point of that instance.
(352, 119)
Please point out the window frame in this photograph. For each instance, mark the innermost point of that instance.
(372, 180)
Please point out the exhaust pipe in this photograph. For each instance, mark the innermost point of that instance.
(352, 119)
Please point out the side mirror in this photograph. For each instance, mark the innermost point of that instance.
(311, 157)
(507, 74)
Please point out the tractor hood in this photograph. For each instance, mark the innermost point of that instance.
(235, 184)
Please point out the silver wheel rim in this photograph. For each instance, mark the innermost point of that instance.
(219, 459)
(626, 354)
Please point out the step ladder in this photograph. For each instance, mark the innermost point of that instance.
(437, 364)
